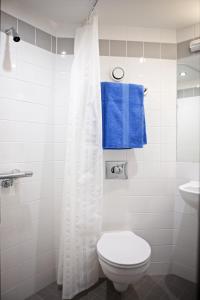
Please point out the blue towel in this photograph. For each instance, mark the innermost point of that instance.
(123, 117)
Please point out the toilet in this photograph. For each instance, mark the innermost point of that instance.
(124, 257)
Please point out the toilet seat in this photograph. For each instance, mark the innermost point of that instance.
(123, 249)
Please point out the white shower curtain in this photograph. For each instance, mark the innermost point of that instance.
(81, 225)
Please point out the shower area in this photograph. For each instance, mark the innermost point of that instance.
(56, 196)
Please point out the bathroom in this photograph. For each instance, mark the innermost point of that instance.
(99, 149)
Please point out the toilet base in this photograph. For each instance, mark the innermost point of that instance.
(124, 258)
(122, 277)
(120, 287)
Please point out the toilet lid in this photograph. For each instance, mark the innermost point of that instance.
(123, 248)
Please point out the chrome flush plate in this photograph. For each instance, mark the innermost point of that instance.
(116, 170)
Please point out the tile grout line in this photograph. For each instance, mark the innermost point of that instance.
(17, 25)
(143, 49)
(35, 35)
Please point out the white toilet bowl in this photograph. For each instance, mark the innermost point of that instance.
(124, 257)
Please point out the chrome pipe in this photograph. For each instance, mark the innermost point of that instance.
(92, 9)
(13, 32)
(14, 174)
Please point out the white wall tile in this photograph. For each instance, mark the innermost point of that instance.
(135, 154)
(150, 188)
(168, 135)
(162, 253)
(153, 117)
(168, 152)
(168, 75)
(143, 203)
(23, 111)
(137, 33)
(185, 272)
(32, 73)
(35, 55)
(152, 100)
(24, 91)
(168, 118)
(152, 80)
(156, 236)
(114, 155)
(168, 100)
(152, 221)
(152, 151)
(26, 143)
(151, 204)
(159, 268)
(153, 134)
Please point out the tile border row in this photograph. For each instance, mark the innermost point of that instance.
(189, 92)
(29, 33)
(137, 49)
(183, 49)
(121, 48)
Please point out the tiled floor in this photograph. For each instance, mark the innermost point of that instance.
(168, 287)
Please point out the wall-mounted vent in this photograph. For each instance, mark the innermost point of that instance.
(195, 45)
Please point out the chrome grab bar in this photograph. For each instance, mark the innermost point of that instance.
(14, 174)
(8, 178)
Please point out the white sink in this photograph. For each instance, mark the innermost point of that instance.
(190, 192)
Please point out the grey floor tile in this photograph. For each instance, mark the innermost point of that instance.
(171, 290)
(155, 294)
(101, 290)
(159, 287)
(180, 286)
(52, 297)
(86, 297)
(144, 286)
(189, 295)
(130, 294)
(50, 290)
(157, 278)
(35, 297)
(160, 292)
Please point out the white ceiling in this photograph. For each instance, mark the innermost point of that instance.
(168, 14)
(171, 14)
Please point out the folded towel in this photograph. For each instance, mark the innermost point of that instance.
(123, 117)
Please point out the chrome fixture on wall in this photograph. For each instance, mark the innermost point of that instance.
(92, 8)
(195, 45)
(116, 170)
(13, 32)
(118, 73)
(7, 179)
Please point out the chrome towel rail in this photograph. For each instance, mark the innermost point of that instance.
(14, 174)
(8, 177)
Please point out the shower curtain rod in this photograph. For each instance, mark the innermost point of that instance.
(92, 8)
